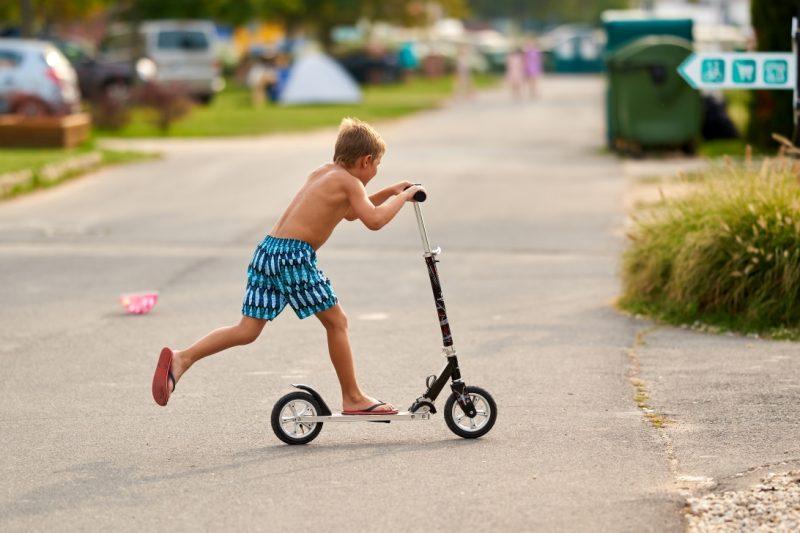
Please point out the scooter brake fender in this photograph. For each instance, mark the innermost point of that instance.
(323, 407)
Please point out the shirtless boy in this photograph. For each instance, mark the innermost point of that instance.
(284, 270)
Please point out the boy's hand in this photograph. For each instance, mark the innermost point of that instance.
(411, 191)
(400, 187)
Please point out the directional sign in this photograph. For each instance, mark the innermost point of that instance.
(732, 70)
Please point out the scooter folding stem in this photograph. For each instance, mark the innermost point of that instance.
(423, 233)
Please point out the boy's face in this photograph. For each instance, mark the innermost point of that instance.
(368, 167)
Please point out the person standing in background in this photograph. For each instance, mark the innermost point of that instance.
(260, 76)
(533, 67)
(464, 71)
(515, 72)
(283, 65)
(407, 60)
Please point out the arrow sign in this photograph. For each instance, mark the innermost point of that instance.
(734, 70)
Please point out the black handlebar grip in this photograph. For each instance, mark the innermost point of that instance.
(419, 196)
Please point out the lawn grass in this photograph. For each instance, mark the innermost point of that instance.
(724, 257)
(725, 147)
(36, 159)
(13, 159)
(231, 113)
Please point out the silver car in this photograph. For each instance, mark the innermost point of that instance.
(36, 79)
(184, 52)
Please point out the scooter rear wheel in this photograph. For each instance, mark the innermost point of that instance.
(464, 426)
(285, 418)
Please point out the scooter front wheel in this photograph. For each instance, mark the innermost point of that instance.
(286, 418)
(477, 426)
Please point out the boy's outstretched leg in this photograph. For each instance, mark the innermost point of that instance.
(353, 398)
(245, 332)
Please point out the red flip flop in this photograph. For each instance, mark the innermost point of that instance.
(162, 376)
(369, 411)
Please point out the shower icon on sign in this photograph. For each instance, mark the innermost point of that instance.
(776, 72)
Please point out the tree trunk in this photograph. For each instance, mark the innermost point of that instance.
(26, 14)
(771, 111)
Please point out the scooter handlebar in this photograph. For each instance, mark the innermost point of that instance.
(419, 196)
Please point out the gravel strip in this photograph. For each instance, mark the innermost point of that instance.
(772, 505)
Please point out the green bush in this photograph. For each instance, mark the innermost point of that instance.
(727, 254)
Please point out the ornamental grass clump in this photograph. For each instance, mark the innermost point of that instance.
(725, 255)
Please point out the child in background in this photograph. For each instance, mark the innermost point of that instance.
(515, 72)
(533, 67)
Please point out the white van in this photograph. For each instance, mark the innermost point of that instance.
(184, 52)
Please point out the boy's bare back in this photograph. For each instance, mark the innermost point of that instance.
(332, 193)
(320, 204)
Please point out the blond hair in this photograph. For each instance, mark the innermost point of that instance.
(356, 139)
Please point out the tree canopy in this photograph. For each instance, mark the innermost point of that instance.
(326, 12)
(319, 14)
(546, 10)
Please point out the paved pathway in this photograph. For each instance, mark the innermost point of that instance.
(528, 211)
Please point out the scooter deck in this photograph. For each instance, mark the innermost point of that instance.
(402, 416)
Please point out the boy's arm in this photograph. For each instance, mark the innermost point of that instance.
(384, 194)
(381, 196)
(375, 217)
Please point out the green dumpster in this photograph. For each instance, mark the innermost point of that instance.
(651, 104)
(622, 31)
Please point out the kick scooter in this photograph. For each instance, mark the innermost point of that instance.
(469, 411)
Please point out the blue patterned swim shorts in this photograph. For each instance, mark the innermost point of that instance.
(285, 271)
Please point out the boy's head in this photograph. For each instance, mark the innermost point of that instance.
(359, 148)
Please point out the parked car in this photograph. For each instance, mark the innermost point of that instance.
(370, 68)
(36, 79)
(183, 51)
(98, 78)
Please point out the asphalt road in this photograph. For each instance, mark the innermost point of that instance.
(529, 214)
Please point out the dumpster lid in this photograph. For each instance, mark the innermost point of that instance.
(622, 31)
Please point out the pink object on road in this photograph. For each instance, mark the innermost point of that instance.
(139, 303)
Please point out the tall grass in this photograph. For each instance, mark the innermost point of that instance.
(726, 255)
